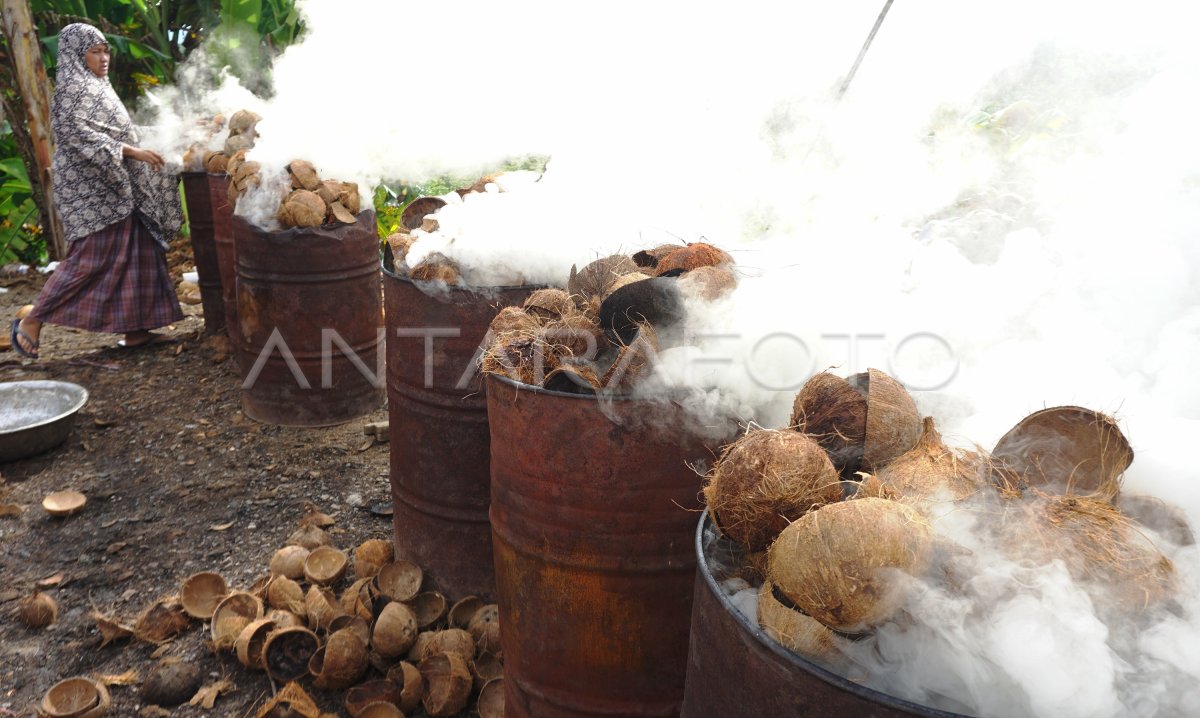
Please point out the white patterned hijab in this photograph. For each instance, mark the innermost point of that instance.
(94, 186)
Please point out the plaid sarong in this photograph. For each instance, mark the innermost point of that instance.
(115, 280)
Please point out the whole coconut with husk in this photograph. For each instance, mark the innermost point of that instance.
(931, 472)
(692, 256)
(834, 412)
(1065, 450)
(302, 209)
(549, 304)
(38, 610)
(1104, 550)
(795, 631)
(765, 480)
(172, 682)
(847, 564)
(893, 424)
(596, 277)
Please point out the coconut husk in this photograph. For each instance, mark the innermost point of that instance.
(412, 685)
(708, 283)
(1067, 450)
(486, 667)
(302, 209)
(428, 608)
(549, 304)
(893, 424)
(304, 175)
(573, 379)
(413, 215)
(320, 607)
(287, 652)
(832, 563)
(289, 561)
(485, 629)
(286, 619)
(364, 694)
(491, 699)
(400, 243)
(236, 611)
(231, 167)
(1166, 520)
(691, 256)
(110, 629)
(38, 610)
(340, 662)
(250, 642)
(1122, 570)
(795, 631)
(596, 277)
(437, 267)
(651, 257)
(520, 356)
(931, 472)
(161, 622)
(237, 143)
(513, 319)
(395, 630)
(450, 640)
(338, 213)
(348, 196)
(291, 702)
(216, 162)
(285, 594)
(832, 411)
(765, 480)
(310, 537)
(447, 684)
(572, 335)
(370, 556)
(243, 121)
(633, 361)
(356, 600)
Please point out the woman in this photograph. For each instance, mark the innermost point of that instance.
(119, 209)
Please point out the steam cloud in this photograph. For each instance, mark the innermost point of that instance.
(1001, 211)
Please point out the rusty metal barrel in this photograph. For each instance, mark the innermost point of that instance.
(310, 316)
(204, 250)
(438, 429)
(222, 214)
(736, 669)
(593, 505)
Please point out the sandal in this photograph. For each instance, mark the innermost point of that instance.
(153, 340)
(16, 335)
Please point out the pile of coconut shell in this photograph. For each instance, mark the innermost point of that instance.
(602, 332)
(195, 155)
(829, 513)
(242, 133)
(359, 624)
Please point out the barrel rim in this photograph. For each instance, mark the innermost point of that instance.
(598, 397)
(817, 671)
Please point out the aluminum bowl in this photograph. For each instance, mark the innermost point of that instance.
(36, 416)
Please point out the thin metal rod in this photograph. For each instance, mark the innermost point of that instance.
(863, 52)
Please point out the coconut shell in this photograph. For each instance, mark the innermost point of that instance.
(290, 702)
(832, 411)
(437, 268)
(246, 175)
(491, 699)
(708, 283)
(340, 662)
(395, 630)
(325, 566)
(549, 304)
(485, 629)
(364, 694)
(692, 256)
(573, 379)
(348, 196)
(380, 709)
(200, 594)
(329, 191)
(447, 684)
(310, 537)
(250, 642)
(289, 561)
(400, 242)
(765, 480)
(285, 594)
(651, 257)
(1066, 450)
(413, 215)
(656, 302)
(621, 281)
(360, 626)
(841, 564)
(38, 610)
(451, 640)
(931, 472)
(304, 175)
(237, 143)
(338, 213)
(398, 580)
(235, 161)
(429, 608)
(464, 610)
(243, 121)
(171, 682)
(302, 209)
(370, 556)
(486, 667)
(236, 611)
(893, 424)
(286, 619)
(287, 652)
(76, 698)
(356, 600)
(596, 277)
(161, 622)
(519, 356)
(795, 631)
(412, 685)
(320, 607)
(216, 162)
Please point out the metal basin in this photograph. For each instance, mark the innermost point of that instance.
(36, 416)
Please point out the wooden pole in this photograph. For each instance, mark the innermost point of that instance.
(25, 54)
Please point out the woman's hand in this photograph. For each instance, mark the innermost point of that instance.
(139, 154)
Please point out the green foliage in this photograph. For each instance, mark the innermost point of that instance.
(20, 230)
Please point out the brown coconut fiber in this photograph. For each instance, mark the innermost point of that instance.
(932, 472)
(691, 256)
(795, 631)
(765, 480)
(893, 424)
(832, 411)
(302, 209)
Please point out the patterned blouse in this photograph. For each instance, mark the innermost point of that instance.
(95, 187)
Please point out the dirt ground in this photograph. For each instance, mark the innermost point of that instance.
(178, 481)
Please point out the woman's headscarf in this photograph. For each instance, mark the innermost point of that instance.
(94, 186)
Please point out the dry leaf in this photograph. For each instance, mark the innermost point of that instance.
(313, 516)
(10, 510)
(50, 581)
(221, 527)
(115, 547)
(154, 712)
(110, 630)
(109, 524)
(128, 678)
(207, 696)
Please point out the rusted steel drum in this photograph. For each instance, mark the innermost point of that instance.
(593, 504)
(222, 214)
(438, 430)
(310, 315)
(204, 250)
(736, 669)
